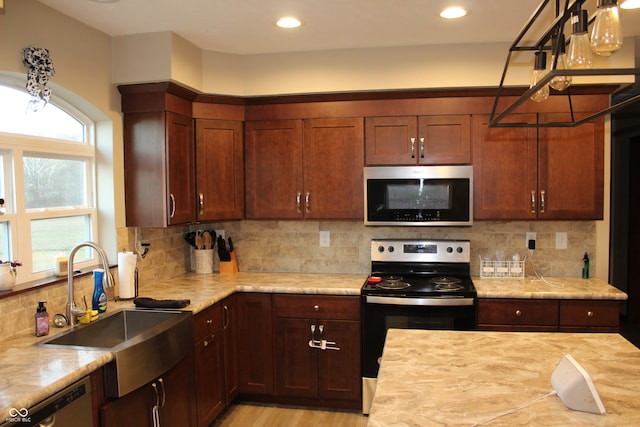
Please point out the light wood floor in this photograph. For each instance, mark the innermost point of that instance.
(260, 415)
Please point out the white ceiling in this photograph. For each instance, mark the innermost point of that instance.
(248, 26)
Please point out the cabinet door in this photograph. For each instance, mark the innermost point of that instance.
(296, 362)
(571, 170)
(209, 366)
(273, 169)
(333, 154)
(339, 373)
(391, 140)
(219, 170)
(504, 170)
(158, 163)
(209, 378)
(255, 343)
(589, 316)
(444, 140)
(134, 409)
(179, 404)
(180, 167)
(230, 334)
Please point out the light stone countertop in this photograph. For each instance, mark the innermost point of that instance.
(548, 288)
(454, 378)
(29, 374)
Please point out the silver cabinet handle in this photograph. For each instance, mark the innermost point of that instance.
(226, 317)
(201, 202)
(533, 202)
(173, 205)
(298, 205)
(162, 400)
(542, 201)
(422, 147)
(413, 148)
(307, 203)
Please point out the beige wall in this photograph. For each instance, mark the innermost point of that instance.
(82, 60)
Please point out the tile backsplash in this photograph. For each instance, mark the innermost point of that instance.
(294, 246)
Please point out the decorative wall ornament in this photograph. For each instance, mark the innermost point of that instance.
(39, 71)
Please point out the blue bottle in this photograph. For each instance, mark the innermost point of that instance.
(99, 300)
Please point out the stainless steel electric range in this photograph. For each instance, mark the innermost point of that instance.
(414, 284)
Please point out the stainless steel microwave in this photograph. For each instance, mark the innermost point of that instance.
(418, 195)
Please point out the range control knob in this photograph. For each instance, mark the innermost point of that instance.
(391, 249)
(459, 250)
(449, 249)
(380, 248)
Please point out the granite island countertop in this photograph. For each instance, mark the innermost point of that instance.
(455, 378)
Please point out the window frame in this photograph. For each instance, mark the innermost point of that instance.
(14, 146)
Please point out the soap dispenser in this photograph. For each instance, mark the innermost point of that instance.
(585, 266)
(99, 300)
(42, 320)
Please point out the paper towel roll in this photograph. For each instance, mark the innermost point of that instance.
(127, 274)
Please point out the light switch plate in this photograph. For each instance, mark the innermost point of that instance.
(561, 240)
(325, 239)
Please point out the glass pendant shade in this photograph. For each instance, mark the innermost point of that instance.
(539, 71)
(606, 34)
(579, 54)
(559, 82)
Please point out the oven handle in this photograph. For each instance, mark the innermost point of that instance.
(449, 301)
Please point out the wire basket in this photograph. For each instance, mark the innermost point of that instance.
(501, 269)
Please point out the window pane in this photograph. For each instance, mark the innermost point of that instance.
(4, 242)
(50, 122)
(54, 236)
(51, 183)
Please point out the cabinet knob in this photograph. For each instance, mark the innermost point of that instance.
(589, 313)
(209, 321)
(518, 313)
(316, 307)
(205, 343)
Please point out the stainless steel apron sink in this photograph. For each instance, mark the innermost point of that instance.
(145, 344)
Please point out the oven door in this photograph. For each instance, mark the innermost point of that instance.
(378, 317)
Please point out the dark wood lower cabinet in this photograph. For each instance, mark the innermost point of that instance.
(303, 368)
(171, 392)
(548, 315)
(255, 345)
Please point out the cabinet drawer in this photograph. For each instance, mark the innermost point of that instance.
(587, 313)
(518, 312)
(317, 306)
(207, 322)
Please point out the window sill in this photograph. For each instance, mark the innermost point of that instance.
(26, 287)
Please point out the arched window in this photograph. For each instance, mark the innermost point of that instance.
(47, 182)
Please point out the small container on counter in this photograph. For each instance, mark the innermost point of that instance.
(585, 266)
(42, 320)
(61, 265)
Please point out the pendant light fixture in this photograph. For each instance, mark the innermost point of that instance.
(559, 63)
(579, 55)
(539, 71)
(567, 64)
(606, 34)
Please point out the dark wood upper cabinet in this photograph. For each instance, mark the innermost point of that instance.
(308, 168)
(548, 173)
(219, 171)
(422, 140)
(159, 165)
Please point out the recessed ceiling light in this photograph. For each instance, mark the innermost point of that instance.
(630, 4)
(288, 22)
(453, 12)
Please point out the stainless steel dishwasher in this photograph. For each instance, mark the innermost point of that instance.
(70, 407)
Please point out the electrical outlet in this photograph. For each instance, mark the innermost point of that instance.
(561, 240)
(325, 239)
(220, 233)
(531, 235)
